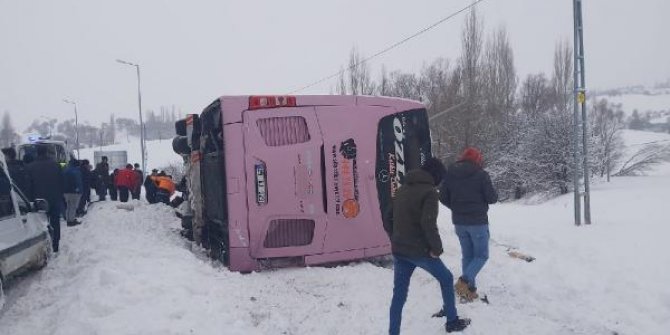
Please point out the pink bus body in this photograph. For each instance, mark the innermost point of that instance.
(305, 179)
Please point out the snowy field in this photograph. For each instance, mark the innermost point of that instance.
(129, 272)
(158, 152)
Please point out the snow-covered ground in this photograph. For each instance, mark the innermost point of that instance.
(129, 272)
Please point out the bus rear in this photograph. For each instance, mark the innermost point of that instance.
(304, 180)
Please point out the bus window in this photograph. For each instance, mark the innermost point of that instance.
(403, 144)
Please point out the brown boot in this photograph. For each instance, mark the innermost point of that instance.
(461, 288)
(472, 294)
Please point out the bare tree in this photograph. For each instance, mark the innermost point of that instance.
(8, 135)
(358, 78)
(606, 122)
(645, 159)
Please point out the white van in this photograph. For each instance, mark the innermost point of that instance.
(24, 235)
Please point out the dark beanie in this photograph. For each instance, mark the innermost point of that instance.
(435, 167)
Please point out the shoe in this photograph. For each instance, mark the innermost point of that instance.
(461, 287)
(73, 223)
(456, 325)
(472, 293)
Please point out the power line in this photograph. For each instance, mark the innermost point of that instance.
(389, 48)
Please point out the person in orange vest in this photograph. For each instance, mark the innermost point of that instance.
(165, 187)
(125, 181)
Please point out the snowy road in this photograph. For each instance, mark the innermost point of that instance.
(129, 272)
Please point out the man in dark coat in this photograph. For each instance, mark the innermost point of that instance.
(467, 190)
(415, 242)
(150, 187)
(46, 182)
(17, 170)
(102, 177)
(138, 186)
(111, 185)
(87, 180)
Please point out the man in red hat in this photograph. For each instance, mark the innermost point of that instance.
(467, 190)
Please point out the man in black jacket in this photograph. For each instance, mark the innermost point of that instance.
(46, 182)
(467, 190)
(415, 242)
(102, 176)
(17, 170)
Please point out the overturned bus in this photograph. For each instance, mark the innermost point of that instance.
(297, 180)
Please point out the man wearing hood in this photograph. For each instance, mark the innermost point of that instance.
(415, 242)
(467, 190)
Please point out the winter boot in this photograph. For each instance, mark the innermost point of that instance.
(472, 294)
(457, 325)
(73, 223)
(461, 287)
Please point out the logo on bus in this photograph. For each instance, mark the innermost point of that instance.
(396, 160)
(345, 179)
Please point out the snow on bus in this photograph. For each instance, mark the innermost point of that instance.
(297, 180)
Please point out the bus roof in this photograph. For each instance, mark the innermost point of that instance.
(233, 105)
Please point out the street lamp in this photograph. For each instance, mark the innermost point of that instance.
(76, 123)
(139, 101)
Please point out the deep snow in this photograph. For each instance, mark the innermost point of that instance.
(129, 272)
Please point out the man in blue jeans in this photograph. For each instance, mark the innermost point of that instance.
(415, 242)
(467, 190)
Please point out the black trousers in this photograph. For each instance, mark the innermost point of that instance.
(123, 193)
(54, 227)
(136, 193)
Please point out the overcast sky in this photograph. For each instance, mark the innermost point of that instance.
(191, 52)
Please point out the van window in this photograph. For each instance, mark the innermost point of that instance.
(6, 203)
(278, 131)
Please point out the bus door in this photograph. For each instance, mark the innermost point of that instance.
(284, 182)
(354, 219)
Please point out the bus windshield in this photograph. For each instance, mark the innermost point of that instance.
(403, 143)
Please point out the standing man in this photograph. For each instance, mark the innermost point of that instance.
(17, 170)
(125, 180)
(150, 186)
(415, 242)
(102, 178)
(137, 189)
(46, 182)
(467, 190)
(72, 187)
(87, 181)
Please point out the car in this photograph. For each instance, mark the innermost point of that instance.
(24, 236)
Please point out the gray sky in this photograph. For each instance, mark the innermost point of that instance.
(193, 51)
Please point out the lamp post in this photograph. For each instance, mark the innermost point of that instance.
(76, 123)
(139, 102)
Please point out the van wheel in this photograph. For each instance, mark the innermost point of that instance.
(43, 257)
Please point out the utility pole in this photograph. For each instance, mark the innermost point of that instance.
(139, 102)
(76, 123)
(581, 161)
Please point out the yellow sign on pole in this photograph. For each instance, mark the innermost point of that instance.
(581, 97)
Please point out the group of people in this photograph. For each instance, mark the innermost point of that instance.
(120, 184)
(68, 189)
(127, 182)
(466, 189)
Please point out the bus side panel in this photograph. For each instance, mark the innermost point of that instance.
(350, 175)
(238, 233)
